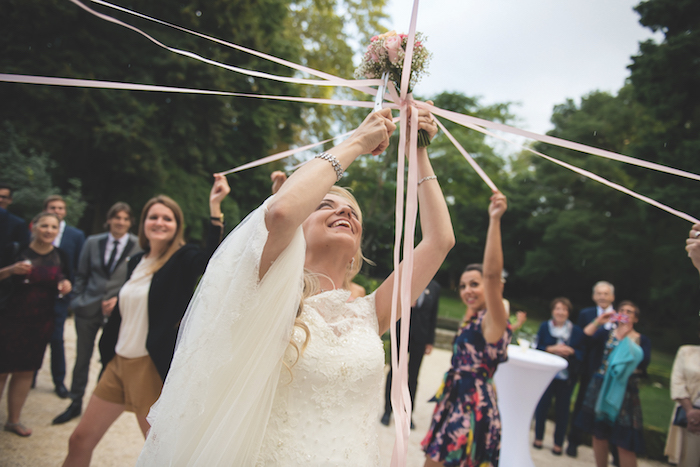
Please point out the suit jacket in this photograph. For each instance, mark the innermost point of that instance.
(586, 316)
(424, 317)
(171, 289)
(93, 282)
(71, 244)
(14, 236)
(576, 341)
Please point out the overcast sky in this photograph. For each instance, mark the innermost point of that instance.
(536, 53)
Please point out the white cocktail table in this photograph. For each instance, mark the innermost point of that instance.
(520, 383)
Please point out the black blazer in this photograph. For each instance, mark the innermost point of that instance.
(586, 315)
(424, 317)
(170, 293)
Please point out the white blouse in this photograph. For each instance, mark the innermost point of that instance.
(133, 306)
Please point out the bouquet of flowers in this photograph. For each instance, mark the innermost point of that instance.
(386, 54)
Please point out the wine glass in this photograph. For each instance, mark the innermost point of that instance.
(27, 262)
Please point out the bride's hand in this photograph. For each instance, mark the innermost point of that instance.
(372, 136)
(426, 121)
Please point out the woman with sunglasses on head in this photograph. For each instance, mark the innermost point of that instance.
(611, 409)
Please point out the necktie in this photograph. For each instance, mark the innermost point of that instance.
(112, 257)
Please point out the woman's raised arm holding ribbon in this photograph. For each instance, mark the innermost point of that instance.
(436, 227)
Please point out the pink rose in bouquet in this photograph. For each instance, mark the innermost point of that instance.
(393, 45)
(386, 54)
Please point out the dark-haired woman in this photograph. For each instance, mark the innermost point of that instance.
(611, 410)
(138, 342)
(466, 426)
(561, 337)
(26, 324)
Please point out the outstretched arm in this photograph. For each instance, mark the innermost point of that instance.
(436, 226)
(496, 319)
(300, 195)
(692, 246)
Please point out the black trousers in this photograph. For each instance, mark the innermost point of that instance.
(560, 389)
(575, 433)
(415, 358)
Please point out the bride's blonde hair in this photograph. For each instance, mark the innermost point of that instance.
(312, 285)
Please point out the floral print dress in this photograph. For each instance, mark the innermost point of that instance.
(466, 427)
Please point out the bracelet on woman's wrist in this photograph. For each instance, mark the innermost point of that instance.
(425, 179)
(334, 162)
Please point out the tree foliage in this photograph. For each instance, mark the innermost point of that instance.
(129, 146)
(373, 181)
(576, 231)
(29, 174)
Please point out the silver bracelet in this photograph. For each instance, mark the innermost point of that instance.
(334, 162)
(425, 179)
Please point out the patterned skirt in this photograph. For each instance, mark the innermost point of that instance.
(628, 430)
(466, 427)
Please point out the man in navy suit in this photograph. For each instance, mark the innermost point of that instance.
(420, 342)
(12, 228)
(70, 240)
(603, 296)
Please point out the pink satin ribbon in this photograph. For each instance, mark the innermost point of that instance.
(590, 175)
(401, 294)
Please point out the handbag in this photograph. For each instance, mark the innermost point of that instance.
(680, 418)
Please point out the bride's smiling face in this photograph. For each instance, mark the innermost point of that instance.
(337, 222)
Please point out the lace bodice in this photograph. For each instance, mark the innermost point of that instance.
(325, 412)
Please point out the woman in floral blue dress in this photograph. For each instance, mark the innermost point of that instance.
(466, 426)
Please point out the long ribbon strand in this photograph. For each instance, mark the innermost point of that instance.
(330, 82)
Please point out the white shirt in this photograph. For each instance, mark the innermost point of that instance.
(133, 307)
(609, 325)
(121, 244)
(59, 237)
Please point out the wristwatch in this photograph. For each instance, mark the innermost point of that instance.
(220, 218)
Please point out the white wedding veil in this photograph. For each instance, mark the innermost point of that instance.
(216, 400)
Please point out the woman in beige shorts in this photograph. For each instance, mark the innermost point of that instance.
(138, 342)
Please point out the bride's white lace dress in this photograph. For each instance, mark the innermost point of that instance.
(327, 414)
(228, 399)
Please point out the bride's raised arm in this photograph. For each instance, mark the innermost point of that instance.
(301, 194)
(436, 227)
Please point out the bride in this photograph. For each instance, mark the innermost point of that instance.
(274, 365)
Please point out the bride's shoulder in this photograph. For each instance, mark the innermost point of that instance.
(366, 302)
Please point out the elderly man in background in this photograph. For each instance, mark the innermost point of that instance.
(70, 240)
(100, 275)
(603, 296)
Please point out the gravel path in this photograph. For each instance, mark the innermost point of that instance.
(121, 445)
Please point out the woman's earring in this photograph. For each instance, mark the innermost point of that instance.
(352, 263)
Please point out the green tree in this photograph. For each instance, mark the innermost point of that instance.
(373, 181)
(666, 80)
(29, 174)
(578, 231)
